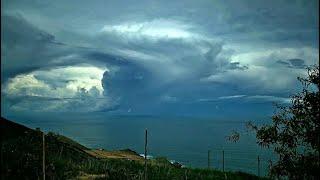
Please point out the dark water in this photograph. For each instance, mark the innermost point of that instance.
(186, 140)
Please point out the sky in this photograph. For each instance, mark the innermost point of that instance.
(168, 57)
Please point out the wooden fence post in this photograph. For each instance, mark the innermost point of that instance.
(258, 166)
(223, 160)
(145, 154)
(43, 156)
(1, 149)
(208, 159)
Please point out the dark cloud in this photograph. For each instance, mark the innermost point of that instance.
(237, 65)
(128, 80)
(297, 63)
(154, 53)
(287, 22)
(24, 47)
(293, 63)
(36, 104)
(283, 62)
(107, 58)
(17, 30)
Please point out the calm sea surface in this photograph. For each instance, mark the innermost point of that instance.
(186, 140)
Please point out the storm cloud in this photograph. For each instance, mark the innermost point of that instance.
(144, 56)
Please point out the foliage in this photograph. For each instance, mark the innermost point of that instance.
(294, 133)
(20, 162)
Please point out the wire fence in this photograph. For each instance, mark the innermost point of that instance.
(242, 159)
(230, 160)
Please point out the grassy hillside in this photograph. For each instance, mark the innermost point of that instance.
(21, 158)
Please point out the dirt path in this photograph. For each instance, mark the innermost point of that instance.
(115, 154)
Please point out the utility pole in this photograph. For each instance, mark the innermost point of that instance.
(258, 166)
(43, 156)
(145, 154)
(1, 148)
(223, 160)
(208, 159)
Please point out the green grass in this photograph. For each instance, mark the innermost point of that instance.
(21, 158)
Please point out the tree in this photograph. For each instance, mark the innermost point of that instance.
(294, 133)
